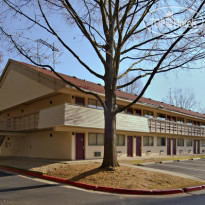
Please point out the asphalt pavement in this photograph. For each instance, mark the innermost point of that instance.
(20, 190)
(194, 168)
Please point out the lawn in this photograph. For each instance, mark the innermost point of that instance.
(91, 173)
(122, 177)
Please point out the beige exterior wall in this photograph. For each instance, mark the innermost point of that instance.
(33, 93)
(81, 116)
(46, 102)
(45, 144)
(18, 89)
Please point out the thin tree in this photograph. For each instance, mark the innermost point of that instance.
(129, 35)
(1, 60)
(134, 88)
(182, 98)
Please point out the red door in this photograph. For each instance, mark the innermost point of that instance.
(129, 146)
(196, 147)
(138, 146)
(168, 146)
(174, 147)
(80, 143)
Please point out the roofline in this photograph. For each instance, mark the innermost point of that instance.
(5, 68)
(102, 94)
(144, 104)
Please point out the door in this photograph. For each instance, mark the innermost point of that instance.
(79, 101)
(138, 146)
(80, 144)
(168, 146)
(196, 148)
(129, 146)
(174, 152)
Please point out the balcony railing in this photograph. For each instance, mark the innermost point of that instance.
(19, 123)
(71, 115)
(168, 127)
(80, 116)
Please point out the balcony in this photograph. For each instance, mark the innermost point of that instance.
(19, 123)
(168, 127)
(79, 116)
(71, 115)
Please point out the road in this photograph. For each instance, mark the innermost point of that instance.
(194, 168)
(21, 190)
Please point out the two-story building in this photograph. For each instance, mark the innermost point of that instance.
(42, 117)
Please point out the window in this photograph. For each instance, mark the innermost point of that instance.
(171, 118)
(120, 140)
(189, 142)
(147, 113)
(180, 142)
(148, 141)
(180, 120)
(95, 139)
(202, 143)
(161, 116)
(119, 107)
(196, 123)
(189, 122)
(161, 141)
(79, 101)
(202, 124)
(138, 112)
(129, 111)
(94, 104)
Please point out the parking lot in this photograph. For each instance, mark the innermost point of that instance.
(194, 168)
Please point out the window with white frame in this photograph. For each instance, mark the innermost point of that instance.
(202, 143)
(95, 139)
(120, 140)
(94, 104)
(161, 116)
(148, 114)
(189, 142)
(148, 141)
(180, 142)
(202, 124)
(161, 141)
(180, 120)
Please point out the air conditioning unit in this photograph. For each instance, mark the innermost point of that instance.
(97, 154)
(161, 152)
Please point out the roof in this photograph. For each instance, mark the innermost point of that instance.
(100, 89)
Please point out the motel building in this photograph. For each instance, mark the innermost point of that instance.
(42, 117)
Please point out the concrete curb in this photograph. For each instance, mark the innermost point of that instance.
(102, 188)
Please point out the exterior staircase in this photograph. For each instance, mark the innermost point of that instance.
(1, 139)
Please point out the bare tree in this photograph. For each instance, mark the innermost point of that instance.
(134, 88)
(182, 98)
(1, 60)
(129, 35)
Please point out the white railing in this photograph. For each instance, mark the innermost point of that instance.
(168, 127)
(19, 123)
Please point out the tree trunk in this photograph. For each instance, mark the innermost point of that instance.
(110, 154)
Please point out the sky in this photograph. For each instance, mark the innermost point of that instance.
(158, 90)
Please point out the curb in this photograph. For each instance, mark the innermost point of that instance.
(102, 188)
(146, 163)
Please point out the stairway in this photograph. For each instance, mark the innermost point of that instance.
(1, 139)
